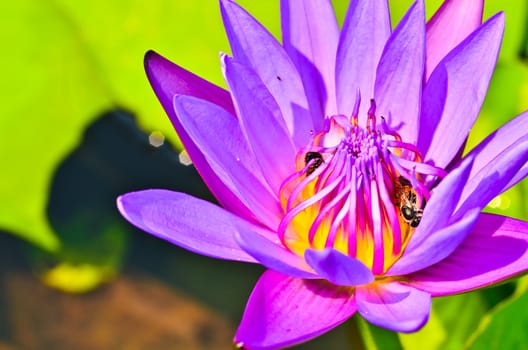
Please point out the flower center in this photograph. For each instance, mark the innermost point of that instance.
(356, 190)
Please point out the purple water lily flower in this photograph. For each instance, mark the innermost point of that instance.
(336, 158)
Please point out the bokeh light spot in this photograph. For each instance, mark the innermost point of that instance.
(156, 139)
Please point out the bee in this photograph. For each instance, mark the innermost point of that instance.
(406, 200)
(317, 161)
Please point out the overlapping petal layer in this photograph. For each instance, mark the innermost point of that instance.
(496, 249)
(457, 203)
(262, 122)
(283, 311)
(310, 37)
(273, 254)
(452, 23)
(338, 268)
(399, 74)
(188, 222)
(168, 79)
(401, 188)
(365, 32)
(455, 92)
(272, 65)
(511, 135)
(226, 151)
(394, 305)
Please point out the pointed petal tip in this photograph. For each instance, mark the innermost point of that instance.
(151, 59)
(127, 206)
(191, 223)
(283, 311)
(225, 6)
(500, 16)
(225, 60)
(119, 203)
(498, 21)
(150, 54)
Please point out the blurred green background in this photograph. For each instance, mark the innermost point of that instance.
(80, 125)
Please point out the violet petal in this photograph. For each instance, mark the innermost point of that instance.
(270, 252)
(442, 204)
(310, 36)
(398, 86)
(496, 249)
(217, 134)
(253, 46)
(493, 177)
(168, 79)
(393, 305)
(455, 91)
(451, 24)
(437, 227)
(283, 311)
(365, 31)
(261, 122)
(433, 240)
(503, 138)
(185, 221)
(436, 248)
(489, 181)
(338, 268)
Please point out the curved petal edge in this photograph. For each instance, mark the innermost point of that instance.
(283, 311)
(338, 268)
(495, 250)
(188, 222)
(394, 306)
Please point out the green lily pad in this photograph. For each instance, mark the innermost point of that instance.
(67, 62)
(505, 328)
(50, 92)
(448, 328)
(376, 338)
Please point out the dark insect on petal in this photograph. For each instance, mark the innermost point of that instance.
(407, 213)
(315, 159)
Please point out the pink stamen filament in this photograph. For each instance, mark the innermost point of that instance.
(323, 213)
(304, 183)
(406, 146)
(422, 168)
(345, 209)
(377, 225)
(392, 216)
(305, 205)
(388, 131)
(351, 226)
(351, 198)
